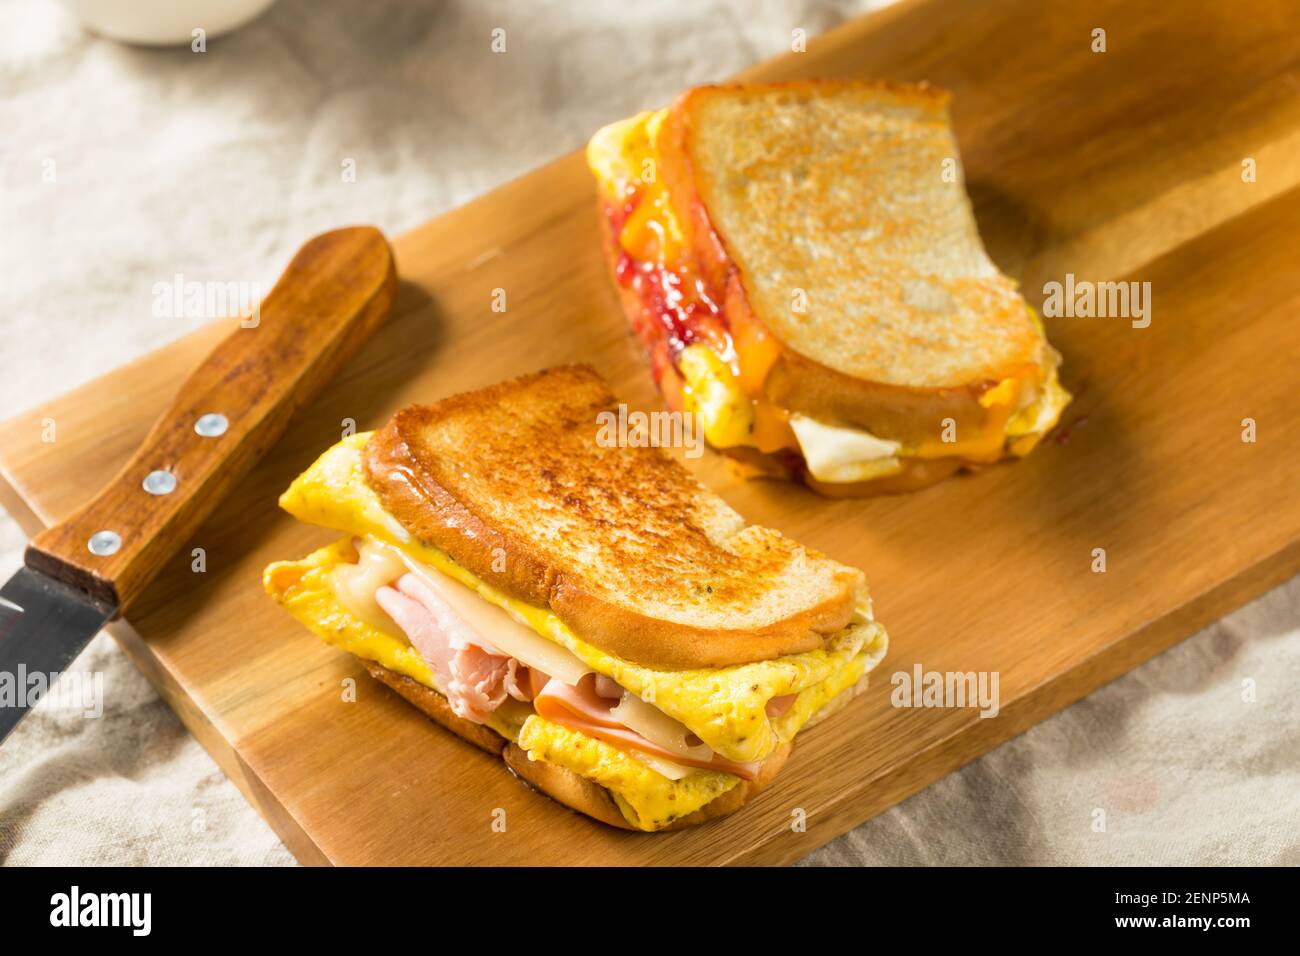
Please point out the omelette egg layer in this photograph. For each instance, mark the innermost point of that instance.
(624, 157)
(725, 708)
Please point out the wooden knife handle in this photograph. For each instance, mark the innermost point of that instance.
(337, 290)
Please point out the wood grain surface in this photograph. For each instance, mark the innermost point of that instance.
(1118, 165)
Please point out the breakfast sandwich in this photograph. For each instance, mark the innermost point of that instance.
(587, 610)
(802, 265)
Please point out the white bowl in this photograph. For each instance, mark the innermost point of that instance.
(163, 22)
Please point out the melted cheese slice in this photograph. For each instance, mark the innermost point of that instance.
(500, 633)
(725, 708)
(837, 454)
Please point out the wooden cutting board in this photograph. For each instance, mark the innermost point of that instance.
(1125, 164)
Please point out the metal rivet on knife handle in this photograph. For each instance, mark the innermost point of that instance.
(160, 482)
(104, 543)
(212, 425)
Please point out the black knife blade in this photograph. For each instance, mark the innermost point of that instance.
(44, 625)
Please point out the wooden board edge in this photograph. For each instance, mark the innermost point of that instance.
(969, 743)
(221, 750)
(788, 65)
(16, 505)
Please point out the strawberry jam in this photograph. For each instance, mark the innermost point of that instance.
(676, 308)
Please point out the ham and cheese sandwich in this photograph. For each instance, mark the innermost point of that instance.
(616, 632)
(801, 262)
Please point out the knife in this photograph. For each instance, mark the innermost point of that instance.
(81, 573)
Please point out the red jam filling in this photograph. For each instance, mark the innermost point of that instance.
(676, 308)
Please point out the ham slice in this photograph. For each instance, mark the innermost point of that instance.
(475, 678)
(586, 709)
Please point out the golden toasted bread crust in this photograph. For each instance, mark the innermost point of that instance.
(626, 548)
(933, 323)
(564, 786)
(911, 416)
(558, 783)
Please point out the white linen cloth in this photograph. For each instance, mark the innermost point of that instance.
(123, 166)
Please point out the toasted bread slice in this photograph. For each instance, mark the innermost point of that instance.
(621, 543)
(842, 208)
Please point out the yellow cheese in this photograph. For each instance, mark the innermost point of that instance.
(355, 585)
(837, 454)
